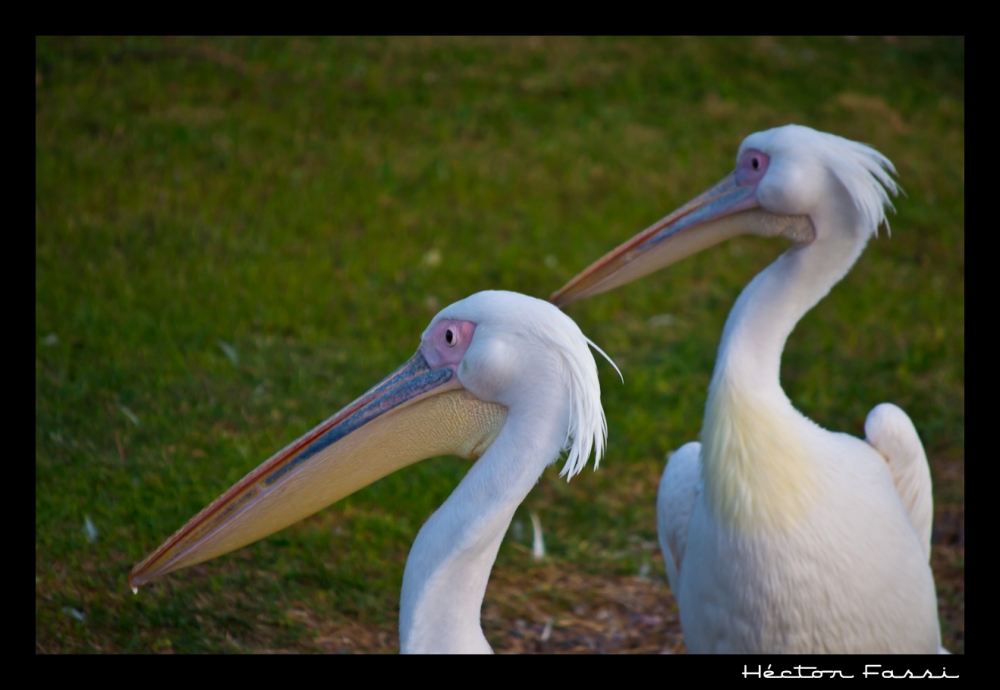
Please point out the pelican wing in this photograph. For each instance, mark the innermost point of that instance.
(889, 431)
(679, 488)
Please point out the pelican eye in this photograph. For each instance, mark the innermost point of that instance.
(755, 162)
(449, 337)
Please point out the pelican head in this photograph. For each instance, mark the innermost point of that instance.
(523, 345)
(479, 360)
(791, 182)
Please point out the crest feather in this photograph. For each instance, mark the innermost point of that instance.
(868, 177)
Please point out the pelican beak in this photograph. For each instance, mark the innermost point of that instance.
(724, 211)
(417, 412)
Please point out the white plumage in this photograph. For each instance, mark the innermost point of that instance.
(499, 376)
(533, 359)
(778, 535)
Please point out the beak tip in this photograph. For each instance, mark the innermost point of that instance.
(140, 575)
(560, 298)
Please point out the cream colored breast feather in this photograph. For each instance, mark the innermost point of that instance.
(758, 468)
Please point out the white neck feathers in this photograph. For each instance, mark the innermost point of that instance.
(449, 565)
(758, 469)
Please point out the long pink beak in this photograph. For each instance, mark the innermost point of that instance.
(725, 210)
(415, 413)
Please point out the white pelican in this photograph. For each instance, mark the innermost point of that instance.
(780, 536)
(499, 376)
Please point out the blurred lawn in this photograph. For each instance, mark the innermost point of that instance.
(236, 237)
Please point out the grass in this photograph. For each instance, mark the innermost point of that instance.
(236, 237)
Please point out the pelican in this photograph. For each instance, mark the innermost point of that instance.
(778, 535)
(498, 376)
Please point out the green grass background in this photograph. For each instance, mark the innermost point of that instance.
(236, 237)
